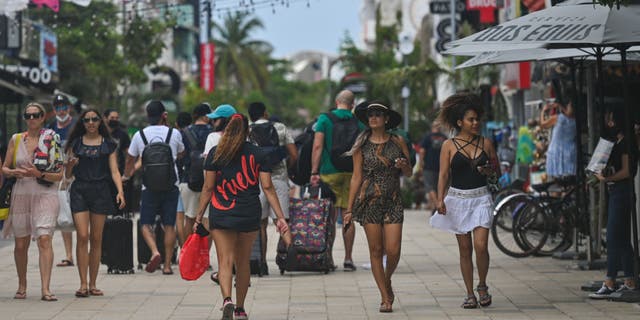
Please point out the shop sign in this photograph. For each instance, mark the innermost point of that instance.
(35, 75)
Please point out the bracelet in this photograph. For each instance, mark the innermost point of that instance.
(314, 174)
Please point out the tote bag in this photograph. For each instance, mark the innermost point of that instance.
(65, 218)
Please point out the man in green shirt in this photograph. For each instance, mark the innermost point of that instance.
(323, 169)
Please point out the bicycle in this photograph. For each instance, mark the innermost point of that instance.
(538, 224)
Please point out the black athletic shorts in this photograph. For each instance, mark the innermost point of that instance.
(94, 196)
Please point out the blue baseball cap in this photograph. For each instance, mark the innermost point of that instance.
(222, 111)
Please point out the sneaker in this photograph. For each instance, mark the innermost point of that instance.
(366, 266)
(240, 314)
(602, 293)
(227, 309)
(625, 287)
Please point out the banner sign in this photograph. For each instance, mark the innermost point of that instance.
(207, 66)
(48, 50)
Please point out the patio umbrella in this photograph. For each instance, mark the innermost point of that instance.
(539, 54)
(579, 24)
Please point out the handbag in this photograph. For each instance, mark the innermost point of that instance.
(65, 218)
(7, 185)
(194, 257)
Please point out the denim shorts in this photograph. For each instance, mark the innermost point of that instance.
(162, 203)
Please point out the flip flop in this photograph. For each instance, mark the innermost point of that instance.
(49, 298)
(65, 263)
(20, 295)
(82, 293)
(153, 264)
(96, 292)
(170, 272)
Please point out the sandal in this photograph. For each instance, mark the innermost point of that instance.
(65, 263)
(392, 295)
(49, 297)
(214, 277)
(485, 298)
(20, 295)
(385, 307)
(470, 302)
(82, 293)
(96, 292)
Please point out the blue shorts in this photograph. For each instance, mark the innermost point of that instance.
(180, 207)
(159, 203)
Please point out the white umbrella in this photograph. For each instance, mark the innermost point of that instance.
(539, 54)
(562, 26)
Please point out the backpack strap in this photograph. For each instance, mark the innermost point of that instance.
(192, 138)
(144, 138)
(332, 117)
(168, 135)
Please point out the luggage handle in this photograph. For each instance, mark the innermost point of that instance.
(307, 195)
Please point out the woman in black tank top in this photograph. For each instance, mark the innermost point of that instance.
(464, 207)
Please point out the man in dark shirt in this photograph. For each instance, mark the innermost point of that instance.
(430, 162)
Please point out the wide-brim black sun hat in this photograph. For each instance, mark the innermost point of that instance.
(361, 113)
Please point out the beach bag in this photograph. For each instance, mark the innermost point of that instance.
(7, 185)
(194, 257)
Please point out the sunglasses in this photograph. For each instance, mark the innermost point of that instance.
(92, 119)
(29, 116)
(61, 108)
(375, 113)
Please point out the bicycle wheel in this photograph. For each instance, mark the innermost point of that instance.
(531, 226)
(559, 232)
(502, 225)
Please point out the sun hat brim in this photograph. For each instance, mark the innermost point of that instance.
(394, 117)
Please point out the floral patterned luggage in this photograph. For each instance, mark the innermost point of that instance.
(311, 237)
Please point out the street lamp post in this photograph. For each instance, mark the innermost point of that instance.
(406, 48)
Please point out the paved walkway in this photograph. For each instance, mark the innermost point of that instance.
(428, 285)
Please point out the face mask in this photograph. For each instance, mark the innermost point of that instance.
(63, 119)
(113, 124)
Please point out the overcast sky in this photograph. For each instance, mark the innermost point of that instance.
(319, 27)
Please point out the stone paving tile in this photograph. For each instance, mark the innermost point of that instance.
(427, 283)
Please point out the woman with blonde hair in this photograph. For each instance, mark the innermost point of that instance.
(235, 169)
(34, 199)
(379, 158)
(464, 207)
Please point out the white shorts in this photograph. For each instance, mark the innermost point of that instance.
(282, 191)
(191, 201)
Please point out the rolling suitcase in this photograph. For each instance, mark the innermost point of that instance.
(117, 244)
(144, 253)
(309, 223)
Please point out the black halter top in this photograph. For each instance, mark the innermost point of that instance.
(464, 168)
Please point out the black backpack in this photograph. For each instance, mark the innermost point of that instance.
(158, 168)
(196, 157)
(344, 134)
(265, 136)
(300, 174)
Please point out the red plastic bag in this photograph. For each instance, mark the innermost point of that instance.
(194, 257)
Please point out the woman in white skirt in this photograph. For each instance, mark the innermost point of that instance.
(464, 207)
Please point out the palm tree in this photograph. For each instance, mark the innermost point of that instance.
(242, 61)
